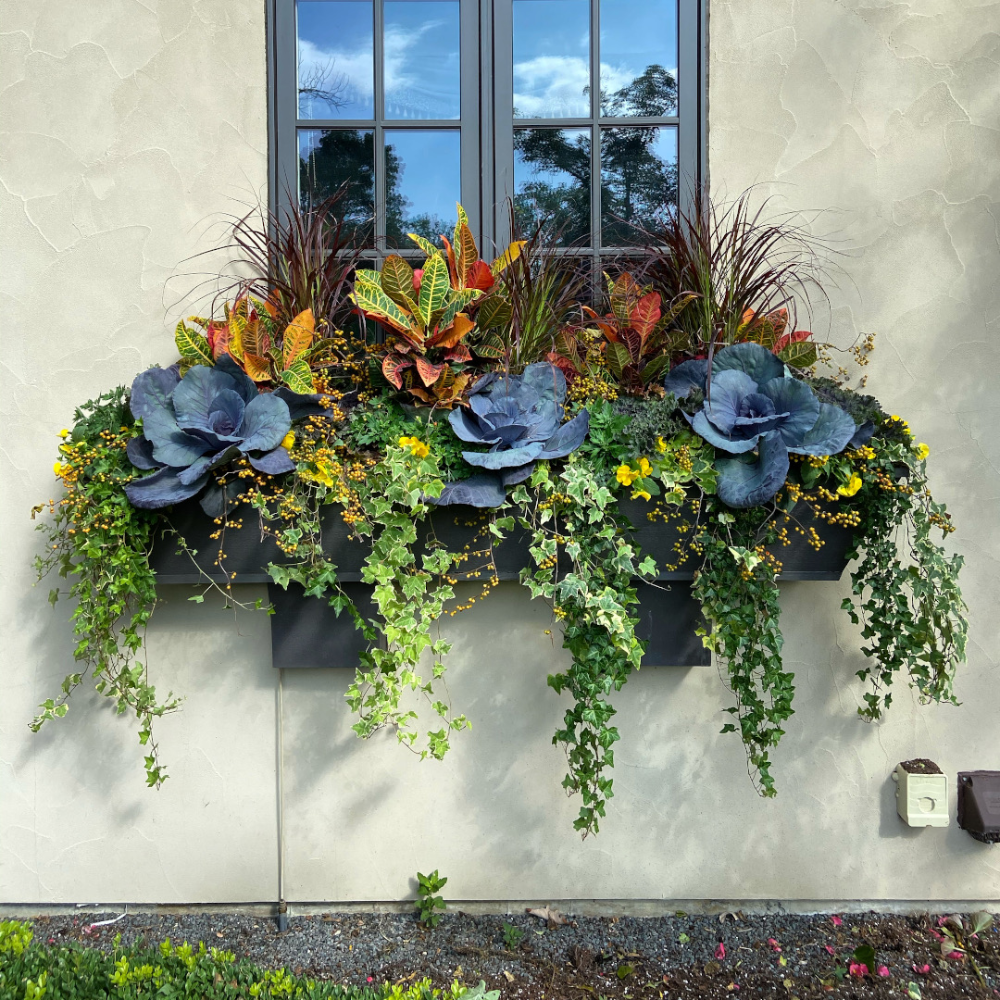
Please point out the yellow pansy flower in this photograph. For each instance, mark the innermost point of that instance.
(852, 487)
(288, 440)
(626, 475)
(57, 468)
(922, 451)
(636, 494)
(661, 445)
(64, 433)
(644, 467)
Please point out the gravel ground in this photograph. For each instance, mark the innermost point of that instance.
(681, 956)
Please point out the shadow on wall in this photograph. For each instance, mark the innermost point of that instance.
(89, 739)
(190, 650)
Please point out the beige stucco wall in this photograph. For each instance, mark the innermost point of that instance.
(123, 131)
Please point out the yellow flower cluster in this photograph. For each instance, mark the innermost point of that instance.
(902, 423)
(417, 447)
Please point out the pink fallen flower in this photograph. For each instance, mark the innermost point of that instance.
(830, 949)
(774, 944)
(835, 920)
(883, 970)
(720, 951)
(858, 969)
(921, 970)
(957, 955)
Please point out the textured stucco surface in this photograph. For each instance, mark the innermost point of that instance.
(128, 130)
(884, 113)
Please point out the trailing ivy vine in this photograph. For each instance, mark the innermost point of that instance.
(99, 540)
(572, 513)
(739, 598)
(905, 591)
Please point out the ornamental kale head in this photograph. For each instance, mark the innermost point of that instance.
(197, 423)
(755, 412)
(521, 418)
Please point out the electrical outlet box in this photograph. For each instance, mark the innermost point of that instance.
(921, 793)
(979, 805)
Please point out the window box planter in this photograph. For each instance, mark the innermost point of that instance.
(306, 632)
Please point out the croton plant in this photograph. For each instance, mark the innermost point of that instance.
(689, 389)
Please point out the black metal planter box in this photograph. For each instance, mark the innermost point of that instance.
(305, 631)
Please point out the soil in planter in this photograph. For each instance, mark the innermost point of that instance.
(920, 765)
(772, 955)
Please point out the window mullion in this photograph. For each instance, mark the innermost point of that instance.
(595, 128)
(381, 194)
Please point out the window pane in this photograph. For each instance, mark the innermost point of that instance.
(552, 182)
(336, 58)
(328, 158)
(421, 59)
(423, 181)
(551, 58)
(638, 179)
(638, 57)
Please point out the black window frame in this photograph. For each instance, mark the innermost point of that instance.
(487, 122)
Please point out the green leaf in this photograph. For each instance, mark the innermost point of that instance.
(375, 304)
(397, 281)
(192, 346)
(434, 287)
(425, 245)
(618, 359)
(298, 376)
(799, 355)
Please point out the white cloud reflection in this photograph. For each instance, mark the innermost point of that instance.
(414, 87)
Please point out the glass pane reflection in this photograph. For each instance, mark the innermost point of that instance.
(638, 179)
(552, 182)
(551, 58)
(423, 182)
(328, 158)
(336, 59)
(422, 71)
(638, 58)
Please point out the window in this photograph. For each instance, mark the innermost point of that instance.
(582, 112)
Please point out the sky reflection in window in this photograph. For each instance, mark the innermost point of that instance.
(551, 58)
(422, 71)
(336, 59)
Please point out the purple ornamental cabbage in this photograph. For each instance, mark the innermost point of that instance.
(520, 417)
(759, 414)
(197, 423)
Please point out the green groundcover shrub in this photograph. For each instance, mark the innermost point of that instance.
(31, 971)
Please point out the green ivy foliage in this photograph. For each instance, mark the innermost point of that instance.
(740, 601)
(905, 591)
(382, 464)
(594, 597)
(97, 538)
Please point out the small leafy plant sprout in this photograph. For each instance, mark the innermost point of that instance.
(428, 903)
(512, 936)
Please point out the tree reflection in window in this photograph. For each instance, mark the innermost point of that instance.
(329, 158)
(638, 167)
